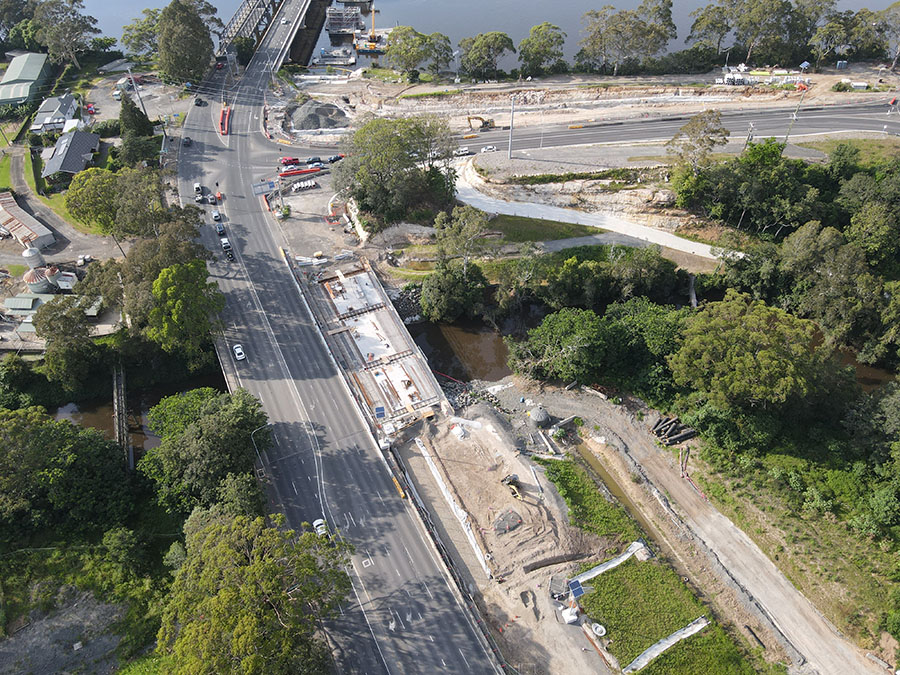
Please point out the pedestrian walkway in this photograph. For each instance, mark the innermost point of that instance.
(468, 193)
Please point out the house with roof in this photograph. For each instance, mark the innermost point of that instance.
(71, 154)
(54, 113)
(22, 225)
(23, 79)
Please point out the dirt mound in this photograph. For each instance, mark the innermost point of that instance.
(316, 115)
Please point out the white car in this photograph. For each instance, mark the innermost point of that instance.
(320, 527)
(239, 352)
(284, 22)
(489, 148)
(216, 215)
(462, 152)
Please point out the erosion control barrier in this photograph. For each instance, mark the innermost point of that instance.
(658, 648)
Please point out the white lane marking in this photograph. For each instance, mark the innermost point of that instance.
(464, 657)
(295, 488)
(352, 521)
(347, 521)
(431, 637)
(379, 497)
(398, 572)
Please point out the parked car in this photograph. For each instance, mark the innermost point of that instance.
(199, 101)
(187, 142)
(220, 229)
(117, 95)
(198, 189)
(290, 160)
(90, 109)
(284, 22)
(199, 199)
(320, 527)
(462, 152)
(313, 160)
(229, 255)
(335, 158)
(315, 165)
(216, 215)
(211, 198)
(239, 352)
(226, 245)
(220, 65)
(489, 148)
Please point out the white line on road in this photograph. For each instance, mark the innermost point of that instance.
(464, 657)
(295, 488)
(352, 521)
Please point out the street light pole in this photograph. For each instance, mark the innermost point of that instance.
(254, 442)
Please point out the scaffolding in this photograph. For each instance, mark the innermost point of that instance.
(343, 21)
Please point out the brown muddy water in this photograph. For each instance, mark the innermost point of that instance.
(98, 413)
(464, 350)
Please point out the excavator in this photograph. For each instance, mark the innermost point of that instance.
(486, 123)
(512, 482)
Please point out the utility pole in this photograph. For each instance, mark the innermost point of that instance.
(749, 136)
(512, 114)
(141, 100)
(794, 118)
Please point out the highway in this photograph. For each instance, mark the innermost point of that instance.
(404, 616)
(766, 123)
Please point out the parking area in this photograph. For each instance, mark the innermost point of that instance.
(161, 100)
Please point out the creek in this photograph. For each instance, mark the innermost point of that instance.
(98, 413)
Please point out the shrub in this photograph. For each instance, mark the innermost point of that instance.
(107, 128)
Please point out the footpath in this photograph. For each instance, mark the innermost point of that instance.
(468, 192)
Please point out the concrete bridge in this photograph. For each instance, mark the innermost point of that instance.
(254, 17)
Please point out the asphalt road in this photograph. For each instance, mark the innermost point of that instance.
(772, 122)
(405, 617)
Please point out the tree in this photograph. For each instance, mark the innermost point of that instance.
(741, 352)
(890, 21)
(185, 46)
(875, 231)
(460, 234)
(132, 119)
(188, 468)
(140, 207)
(479, 55)
(11, 13)
(826, 39)
(138, 149)
(694, 142)
(249, 598)
(24, 35)
(208, 14)
(760, 23)
(438, 53)
(58, 475)
(395, 166)
(64, 29)
(245, 48)
(102, 44)
(70, 353)
(240, 495)
(123, 547)
(185, 308)
(568, 345)
(406, 49)
(141, 36)
(541, 49)
(91, 198)
(449, 293)
(712, 24)
(173, 414)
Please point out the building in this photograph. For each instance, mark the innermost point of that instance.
(23, 78)
(72, 153)
(54, 113)
(21, 225)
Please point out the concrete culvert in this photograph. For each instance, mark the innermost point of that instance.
(317, 115)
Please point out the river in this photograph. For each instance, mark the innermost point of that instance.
(98, 413)
(455, 18)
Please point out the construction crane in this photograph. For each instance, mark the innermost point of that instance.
(485, 123)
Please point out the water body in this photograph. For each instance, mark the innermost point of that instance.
(98, 413)
(456, 19)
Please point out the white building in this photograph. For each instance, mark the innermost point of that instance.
(54, 113)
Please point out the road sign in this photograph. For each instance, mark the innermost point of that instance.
(264, 187)
(576, 588)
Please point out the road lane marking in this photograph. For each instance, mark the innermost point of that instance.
(352, 521)
(295, 488)
(464, 657)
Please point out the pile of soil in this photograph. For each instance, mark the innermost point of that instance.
(317, 115)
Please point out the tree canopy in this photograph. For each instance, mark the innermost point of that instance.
(542, 49)
(64, 29)
(451, 292)
(480, 55)
(249, 598)
(185, 46)
(141, 36)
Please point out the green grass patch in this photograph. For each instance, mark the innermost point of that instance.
(625, 175)
(521, 229)
(384, 74)
(872, 151)
(16, 270)
(5, 182)
(588, 509)
(433, 94)
(30, 177)
(709, 651)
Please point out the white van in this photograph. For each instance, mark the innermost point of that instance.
(198, 189)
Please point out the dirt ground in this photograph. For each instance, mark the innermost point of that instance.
(744, 588)
(76, 637)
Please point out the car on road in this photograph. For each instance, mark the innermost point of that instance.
(462, 152)
(335, 158)
(198, 189)
(220, 229)
(220, 65)
(313, 160)
(239, 352)
(315, 165)
(91, 110)
(320, 527)
(216, 215)
(199, 101)
(187, 142)
(226, 245)
(290, 160)
(284, 22)
(199, 199)
(211, 198)
(489, 148)
(293, 167)
(229, 255)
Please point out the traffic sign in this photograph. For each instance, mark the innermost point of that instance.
(264, 187)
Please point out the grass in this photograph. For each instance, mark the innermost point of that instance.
(588, 509)
(16, 270)
(150, 664)
(432, 94)
(623, 175)
(872, 151)
(520, 229)
(5, 182)
(384, 74)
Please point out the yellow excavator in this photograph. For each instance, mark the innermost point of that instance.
(512, 482)
(486, 123)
